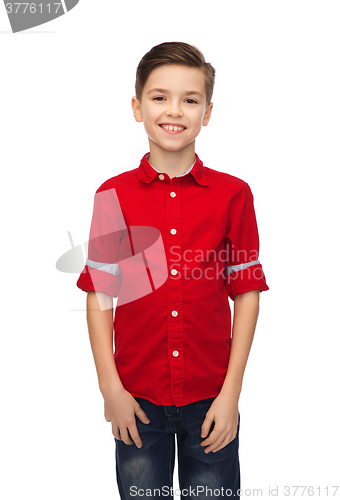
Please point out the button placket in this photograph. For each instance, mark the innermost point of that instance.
(175, 292)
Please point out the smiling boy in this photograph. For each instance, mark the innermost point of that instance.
(178, 363)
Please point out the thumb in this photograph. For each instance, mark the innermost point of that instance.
(206, 426)
(142, 415)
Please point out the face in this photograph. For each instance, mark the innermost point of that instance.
(173, 95)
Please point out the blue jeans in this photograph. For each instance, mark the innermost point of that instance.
(148, 471)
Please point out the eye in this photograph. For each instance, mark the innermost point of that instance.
(155, 98)
(192, 101)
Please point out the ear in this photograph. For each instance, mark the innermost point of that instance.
(136, 109)
(207, 115)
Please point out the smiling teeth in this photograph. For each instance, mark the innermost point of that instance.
(171, 127)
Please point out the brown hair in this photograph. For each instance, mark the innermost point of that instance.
(174, 53)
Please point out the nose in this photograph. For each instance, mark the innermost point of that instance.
(174, 109)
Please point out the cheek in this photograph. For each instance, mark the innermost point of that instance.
(150, 129)
(196, 119)
(197, 124)
(151, 119)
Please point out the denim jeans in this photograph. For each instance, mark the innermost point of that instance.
(148, 471)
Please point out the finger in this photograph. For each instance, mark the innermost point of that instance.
(135, 436)
(222, 441)
(222, 445)
(125, 436)
(115, 432)
(206, 426)
(215, 444)
(142, 415)
(213, 436)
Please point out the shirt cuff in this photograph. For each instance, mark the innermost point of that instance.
(244, 278)
(96, 280)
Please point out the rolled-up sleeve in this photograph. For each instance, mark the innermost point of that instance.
(101, 272)
(243, 268)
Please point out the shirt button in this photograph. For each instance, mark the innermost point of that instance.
(173, 231)
(175, 353)
(174, 271)
(174, 313)
(161, 176)
(172, 194)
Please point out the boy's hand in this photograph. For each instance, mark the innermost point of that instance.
(120, 408)
(224, 412)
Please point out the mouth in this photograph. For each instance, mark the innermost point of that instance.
(172, 129)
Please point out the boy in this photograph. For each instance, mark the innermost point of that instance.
(173, 239)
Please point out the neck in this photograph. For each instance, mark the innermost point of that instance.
(172, 162)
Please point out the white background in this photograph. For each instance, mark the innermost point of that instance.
(67, 126)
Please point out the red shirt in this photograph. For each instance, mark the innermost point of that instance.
(173, 251)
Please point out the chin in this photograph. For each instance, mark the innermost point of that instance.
(173, 149)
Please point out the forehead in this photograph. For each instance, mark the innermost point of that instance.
(176, 78)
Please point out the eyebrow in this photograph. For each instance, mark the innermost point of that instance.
(164, 91)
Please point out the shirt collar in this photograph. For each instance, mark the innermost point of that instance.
(147, 173)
